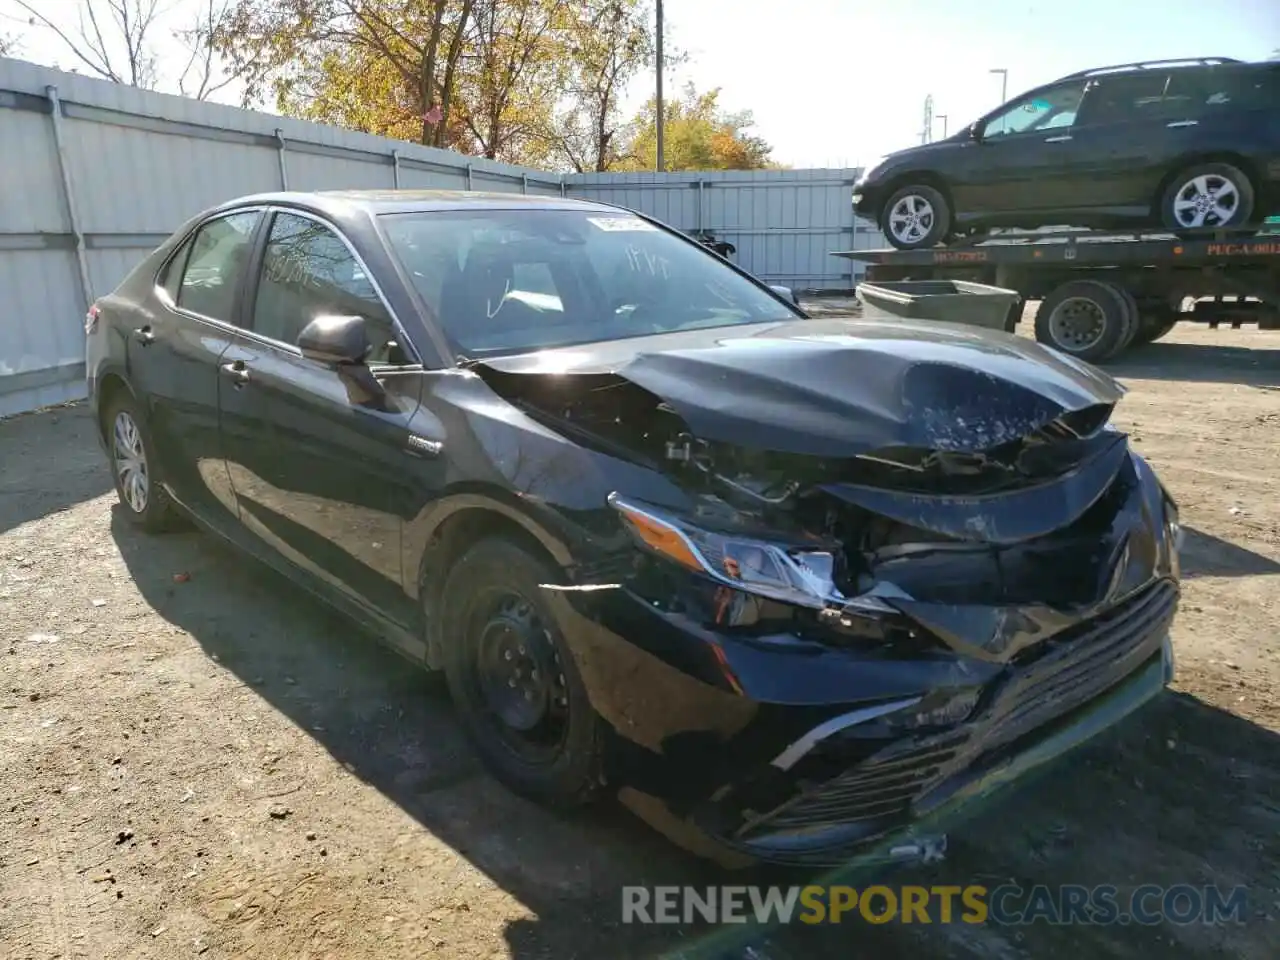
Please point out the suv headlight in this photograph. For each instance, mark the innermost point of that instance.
(789, 572)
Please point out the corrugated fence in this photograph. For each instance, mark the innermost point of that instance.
(93, 175)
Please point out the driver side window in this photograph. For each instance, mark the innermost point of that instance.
(1050, 109)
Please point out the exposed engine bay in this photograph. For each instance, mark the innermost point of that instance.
(897, 516)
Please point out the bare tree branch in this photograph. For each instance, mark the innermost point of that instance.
(127, 21)
(199, 39)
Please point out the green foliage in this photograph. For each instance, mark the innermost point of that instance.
(698, 135)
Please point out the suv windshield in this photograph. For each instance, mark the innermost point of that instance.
(506, 281)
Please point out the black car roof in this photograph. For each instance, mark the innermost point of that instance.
(341, 204)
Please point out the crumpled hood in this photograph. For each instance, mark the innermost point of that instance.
(840, 388)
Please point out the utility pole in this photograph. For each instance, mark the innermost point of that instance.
(926, 134)
(658, 98)
(1004, 82)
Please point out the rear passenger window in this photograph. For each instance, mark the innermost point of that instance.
(308, 272)
(219, 252)
(1124, 99)
(1200, 92)
(170, 275)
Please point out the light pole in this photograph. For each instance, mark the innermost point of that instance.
(943, 118)
(658, 97)
(1004, 82)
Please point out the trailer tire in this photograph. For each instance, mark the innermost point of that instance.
(1132, 316)
(1154, 324)
(1087, 319)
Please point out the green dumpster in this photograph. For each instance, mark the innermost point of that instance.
(954, 301)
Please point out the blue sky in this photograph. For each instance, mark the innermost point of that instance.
(840, 82)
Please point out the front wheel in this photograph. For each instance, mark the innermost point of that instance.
(1207, 196)
(914, 217)
(512, 676)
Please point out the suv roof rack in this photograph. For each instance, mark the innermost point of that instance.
(1148, 64)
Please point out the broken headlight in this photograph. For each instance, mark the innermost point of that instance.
(789, 572)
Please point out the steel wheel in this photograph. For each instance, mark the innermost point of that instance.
(911, 219)
(517, 674)
(1076, 324)
(1207, 200)
(130, 459)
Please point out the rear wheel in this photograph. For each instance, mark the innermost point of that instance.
(1084, 318)
(511, 674)
(1206, 196)
(133, 466)
(914, 217)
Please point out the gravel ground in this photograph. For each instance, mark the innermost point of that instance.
(199, 760)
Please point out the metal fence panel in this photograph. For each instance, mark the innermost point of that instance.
(784, 223)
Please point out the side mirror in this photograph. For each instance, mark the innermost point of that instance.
(975, 132)
(785, 292)
(335, 341)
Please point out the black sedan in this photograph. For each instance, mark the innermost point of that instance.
(804, 584)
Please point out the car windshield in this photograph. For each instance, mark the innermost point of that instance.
(508, 281)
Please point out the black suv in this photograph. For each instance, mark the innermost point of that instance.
(1177, 144)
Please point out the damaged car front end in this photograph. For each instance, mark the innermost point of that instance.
(888, 567)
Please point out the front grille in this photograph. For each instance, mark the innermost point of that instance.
(1066, 672)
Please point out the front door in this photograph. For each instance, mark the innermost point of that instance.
(174, 355)
(317, 468)
(1018, 160)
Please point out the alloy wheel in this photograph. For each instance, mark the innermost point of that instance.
(911, 218)
(130, 458)
(1209, 200)
(1076, 324)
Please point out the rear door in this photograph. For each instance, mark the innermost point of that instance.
(174, 353)
(318, 470)
(1117, 147)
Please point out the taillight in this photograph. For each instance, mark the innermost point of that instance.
(91, 319)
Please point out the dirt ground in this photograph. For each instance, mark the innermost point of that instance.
(198, 760)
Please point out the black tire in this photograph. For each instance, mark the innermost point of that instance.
(1132, 316)
(933, 225)
(1089, 302)
(156, 512)
(1153, 326)
(1182, 189)
(565, 768)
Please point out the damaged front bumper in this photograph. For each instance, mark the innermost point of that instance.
(892, 789)
(789, 738)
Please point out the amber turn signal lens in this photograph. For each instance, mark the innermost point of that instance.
(660, 537)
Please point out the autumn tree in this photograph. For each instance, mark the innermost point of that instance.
(604, 44)
(383, 66)
(699, 135)
(510, 71)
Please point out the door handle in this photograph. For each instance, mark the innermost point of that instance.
(1181, 123)
(144, 336)
(237, 371)
(1062, 139)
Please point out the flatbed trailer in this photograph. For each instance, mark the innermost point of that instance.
(1102, 293)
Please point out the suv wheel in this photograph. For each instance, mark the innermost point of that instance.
(1205, 196)
(1084, 318)
(915, 216)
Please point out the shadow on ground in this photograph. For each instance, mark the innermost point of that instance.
(1177, 795)
(28, 442)
(1204, 555)
(1204, 362)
